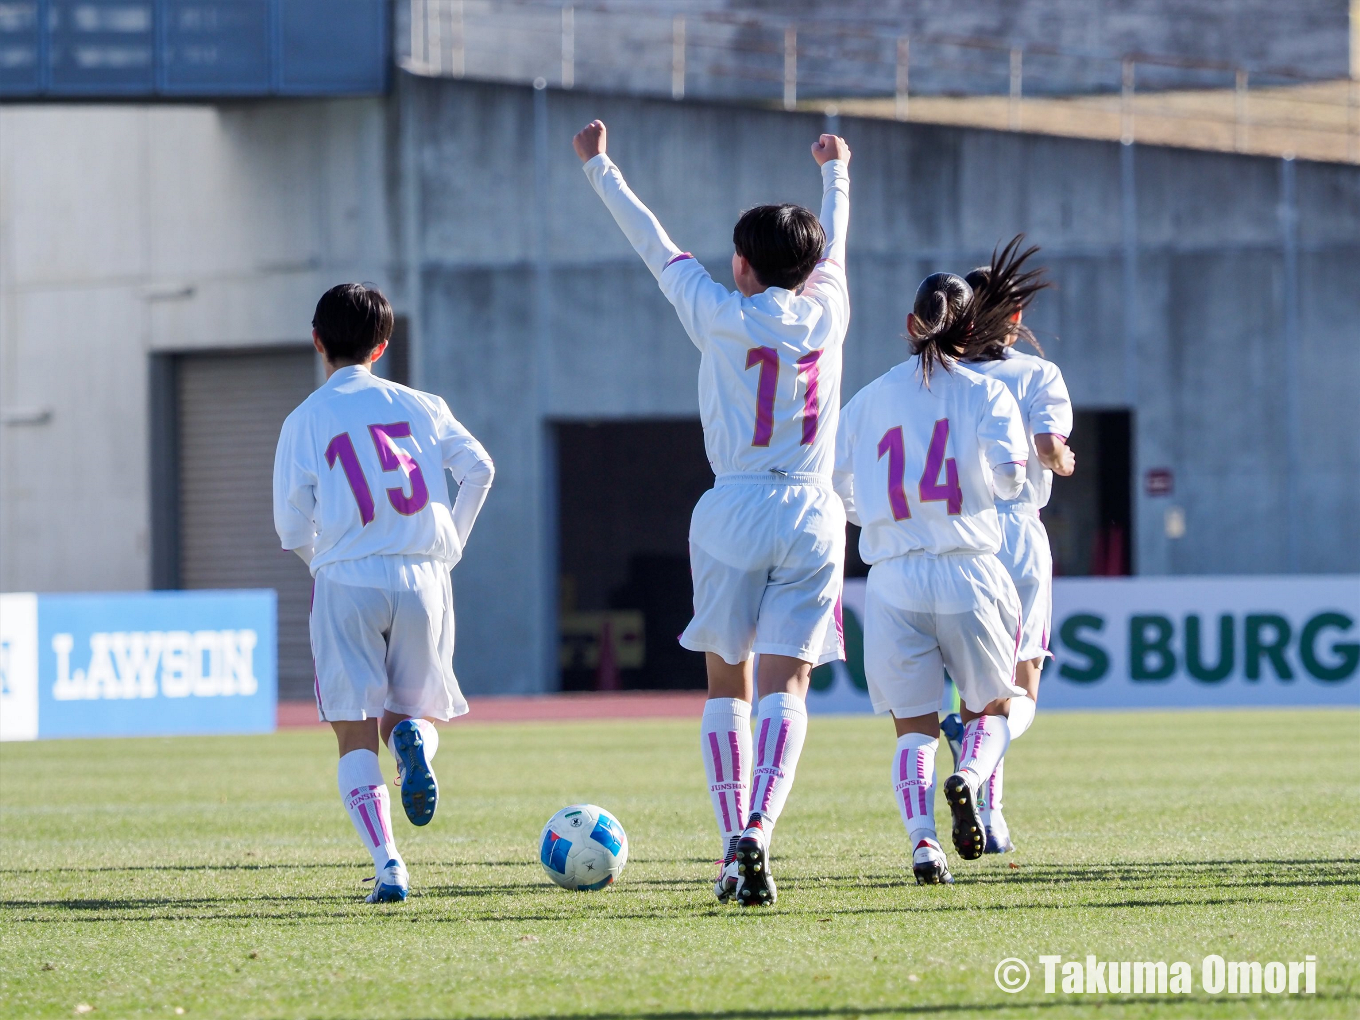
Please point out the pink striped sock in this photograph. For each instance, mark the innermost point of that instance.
(913, 778)
(365, 797)
(985, 740)
(780, 731)
(725, 745)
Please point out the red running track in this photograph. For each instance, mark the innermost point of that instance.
(547, 708)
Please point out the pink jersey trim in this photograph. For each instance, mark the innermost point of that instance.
(677, 258)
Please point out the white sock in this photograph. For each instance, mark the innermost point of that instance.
(913, 778)
(1022, 714)
(781, 728)
(428, 733)
(725, 745)
(365, 797)
(985, 740)
(989, 797)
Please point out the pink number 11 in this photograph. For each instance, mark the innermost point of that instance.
(392, 458)
(767, 387)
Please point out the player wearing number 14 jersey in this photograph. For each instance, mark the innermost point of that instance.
(767, 542)
(923, 453)
(359, 495)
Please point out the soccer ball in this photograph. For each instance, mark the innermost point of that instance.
(583, 847)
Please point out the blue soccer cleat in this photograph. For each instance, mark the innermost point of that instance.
(391, 883)
(419, 791)
(998, 842)
(952, 728)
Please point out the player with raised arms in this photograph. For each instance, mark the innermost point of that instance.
(767, 542)
(359, 495)
(923, 453)
(1038, 388)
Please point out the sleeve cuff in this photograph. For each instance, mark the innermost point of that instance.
(600, 162)
(835, 169)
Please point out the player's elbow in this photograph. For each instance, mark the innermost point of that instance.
(482, 473)
(1008, 480)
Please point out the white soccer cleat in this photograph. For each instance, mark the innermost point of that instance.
(755, 884)
(929, 864)
(390, 884)
(725, 888)
(969, 832)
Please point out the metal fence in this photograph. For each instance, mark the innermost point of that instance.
(866, 68)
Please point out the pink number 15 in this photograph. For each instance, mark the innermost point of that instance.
(392, 458)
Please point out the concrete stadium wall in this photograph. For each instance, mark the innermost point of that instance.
(129, 230)
(126, 230)
(534, 308)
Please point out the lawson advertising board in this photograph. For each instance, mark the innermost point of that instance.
(137, 664)
(1170, 642)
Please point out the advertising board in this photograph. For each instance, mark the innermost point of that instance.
(1169, 642)
(137, 664)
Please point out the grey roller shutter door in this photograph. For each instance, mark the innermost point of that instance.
(230, 409)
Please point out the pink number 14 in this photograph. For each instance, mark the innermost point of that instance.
(392, 458)
(929, 488)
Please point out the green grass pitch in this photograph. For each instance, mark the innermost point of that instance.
(220, 876)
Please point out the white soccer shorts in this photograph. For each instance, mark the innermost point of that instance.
(1027, 557)
(379, 649)
(925, 614)
(767, 559)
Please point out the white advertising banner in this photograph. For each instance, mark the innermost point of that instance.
(1170, 642)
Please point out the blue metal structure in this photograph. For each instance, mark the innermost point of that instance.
(97, 49)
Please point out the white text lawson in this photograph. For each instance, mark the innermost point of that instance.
(144, 664)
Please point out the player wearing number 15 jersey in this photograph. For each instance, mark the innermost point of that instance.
(359, 495)
(922, 455)
(767, 543)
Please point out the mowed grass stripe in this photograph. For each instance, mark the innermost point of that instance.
(220, 876)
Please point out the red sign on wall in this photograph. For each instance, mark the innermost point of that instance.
(1158, 482)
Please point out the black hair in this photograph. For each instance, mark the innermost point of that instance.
(943, 317)
(352, 319)
(783, 243)
(951, 318)
(1006, 285)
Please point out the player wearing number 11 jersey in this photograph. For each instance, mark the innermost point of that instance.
(767, 543)
(923, 453)
(359, 495)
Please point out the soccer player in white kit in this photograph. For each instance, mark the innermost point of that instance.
(923, 453)
(767, 542)
(359, 495)
(1038, 388)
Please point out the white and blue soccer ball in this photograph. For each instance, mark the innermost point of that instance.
(583, 847)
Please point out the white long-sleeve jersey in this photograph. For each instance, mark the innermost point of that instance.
(1039, 389)
(920, 469)
(770, 365)
(359, 475)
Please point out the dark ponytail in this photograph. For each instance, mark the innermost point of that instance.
(1004, 286)
(943, 318)
(950, 320)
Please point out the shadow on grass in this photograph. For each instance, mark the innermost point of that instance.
(1192, 1004)
(1101, 887)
